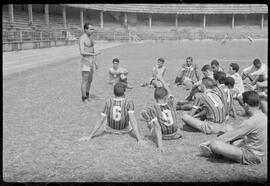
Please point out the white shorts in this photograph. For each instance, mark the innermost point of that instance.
(87, 64)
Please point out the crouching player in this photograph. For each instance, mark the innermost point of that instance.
(212, 107)
(246, 143)
(118, 74)
(118, 116)
(158, 73)
(186, 73)
(161, 116)
(257, 72)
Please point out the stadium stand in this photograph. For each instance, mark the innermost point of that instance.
(137, 21)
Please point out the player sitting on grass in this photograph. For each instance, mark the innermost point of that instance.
(233, 72)
(230, 90)
(256, 72)
(188, 102)
(212, 107)
(246, 143)
(158, 73)
(224, 93)
(161, 116)
(207, 72)
(118, 115)
(215, 66)
(118, 74)
(186, 73)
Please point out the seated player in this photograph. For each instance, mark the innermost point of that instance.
(161, 116)
(158, 73)
(118, 115)
(215, 66)
(207, 72)
(212, 107)
(186, 74)
(118, 74)
(233, 72)
(257, 72)
(224, 93)
(246, 143)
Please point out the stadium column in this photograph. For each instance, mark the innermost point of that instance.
(176, 20)
(64, 17)
(204, 21)
(30, 12)
(233, 21)
(46, 6)
(81, 17)
(262, 20)
(101, 19)
(150, 21)
(126, 20)
(11, 13)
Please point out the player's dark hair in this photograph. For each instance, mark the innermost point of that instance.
(208, 82)
(119, 89)
(256, 61)
(86, 26)
(229, 81)
(235, 67)
(251, 98)
(161, 59)
(215, 62)
(189, 58)
(220, 77)
(206, 67)
(160, 93)
(115, 60)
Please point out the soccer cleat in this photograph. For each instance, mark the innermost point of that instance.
(205, 150)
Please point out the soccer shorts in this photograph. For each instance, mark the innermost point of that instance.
(174, 136)
(115, 131)
(87, 64)
(249, 158)
(209, 127)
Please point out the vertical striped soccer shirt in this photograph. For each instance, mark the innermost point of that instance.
(165, 114)
(189, 71)
(117, 109)
(224, 95)
(211, 102)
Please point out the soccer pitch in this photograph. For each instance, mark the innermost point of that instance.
(43, 118)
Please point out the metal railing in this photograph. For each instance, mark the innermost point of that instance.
(22, 36)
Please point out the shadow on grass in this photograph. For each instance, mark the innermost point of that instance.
(189, 129)
(217, 159)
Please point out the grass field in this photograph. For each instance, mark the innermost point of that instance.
(43, 118)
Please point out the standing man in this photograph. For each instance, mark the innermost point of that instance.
(88, 62)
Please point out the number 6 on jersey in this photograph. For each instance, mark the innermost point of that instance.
(116, 113)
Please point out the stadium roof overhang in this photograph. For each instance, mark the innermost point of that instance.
(179, 8)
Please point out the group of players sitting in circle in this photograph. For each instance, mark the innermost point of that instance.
(208, 107)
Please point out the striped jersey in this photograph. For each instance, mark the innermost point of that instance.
(189, 71)
(165, 114)
(230, 94)
(225, 96)
(117, 109)
(212, 104)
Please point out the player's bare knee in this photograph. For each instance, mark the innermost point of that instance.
(185, 117)
(216, 145)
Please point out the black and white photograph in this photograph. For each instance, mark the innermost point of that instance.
(135, 92)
